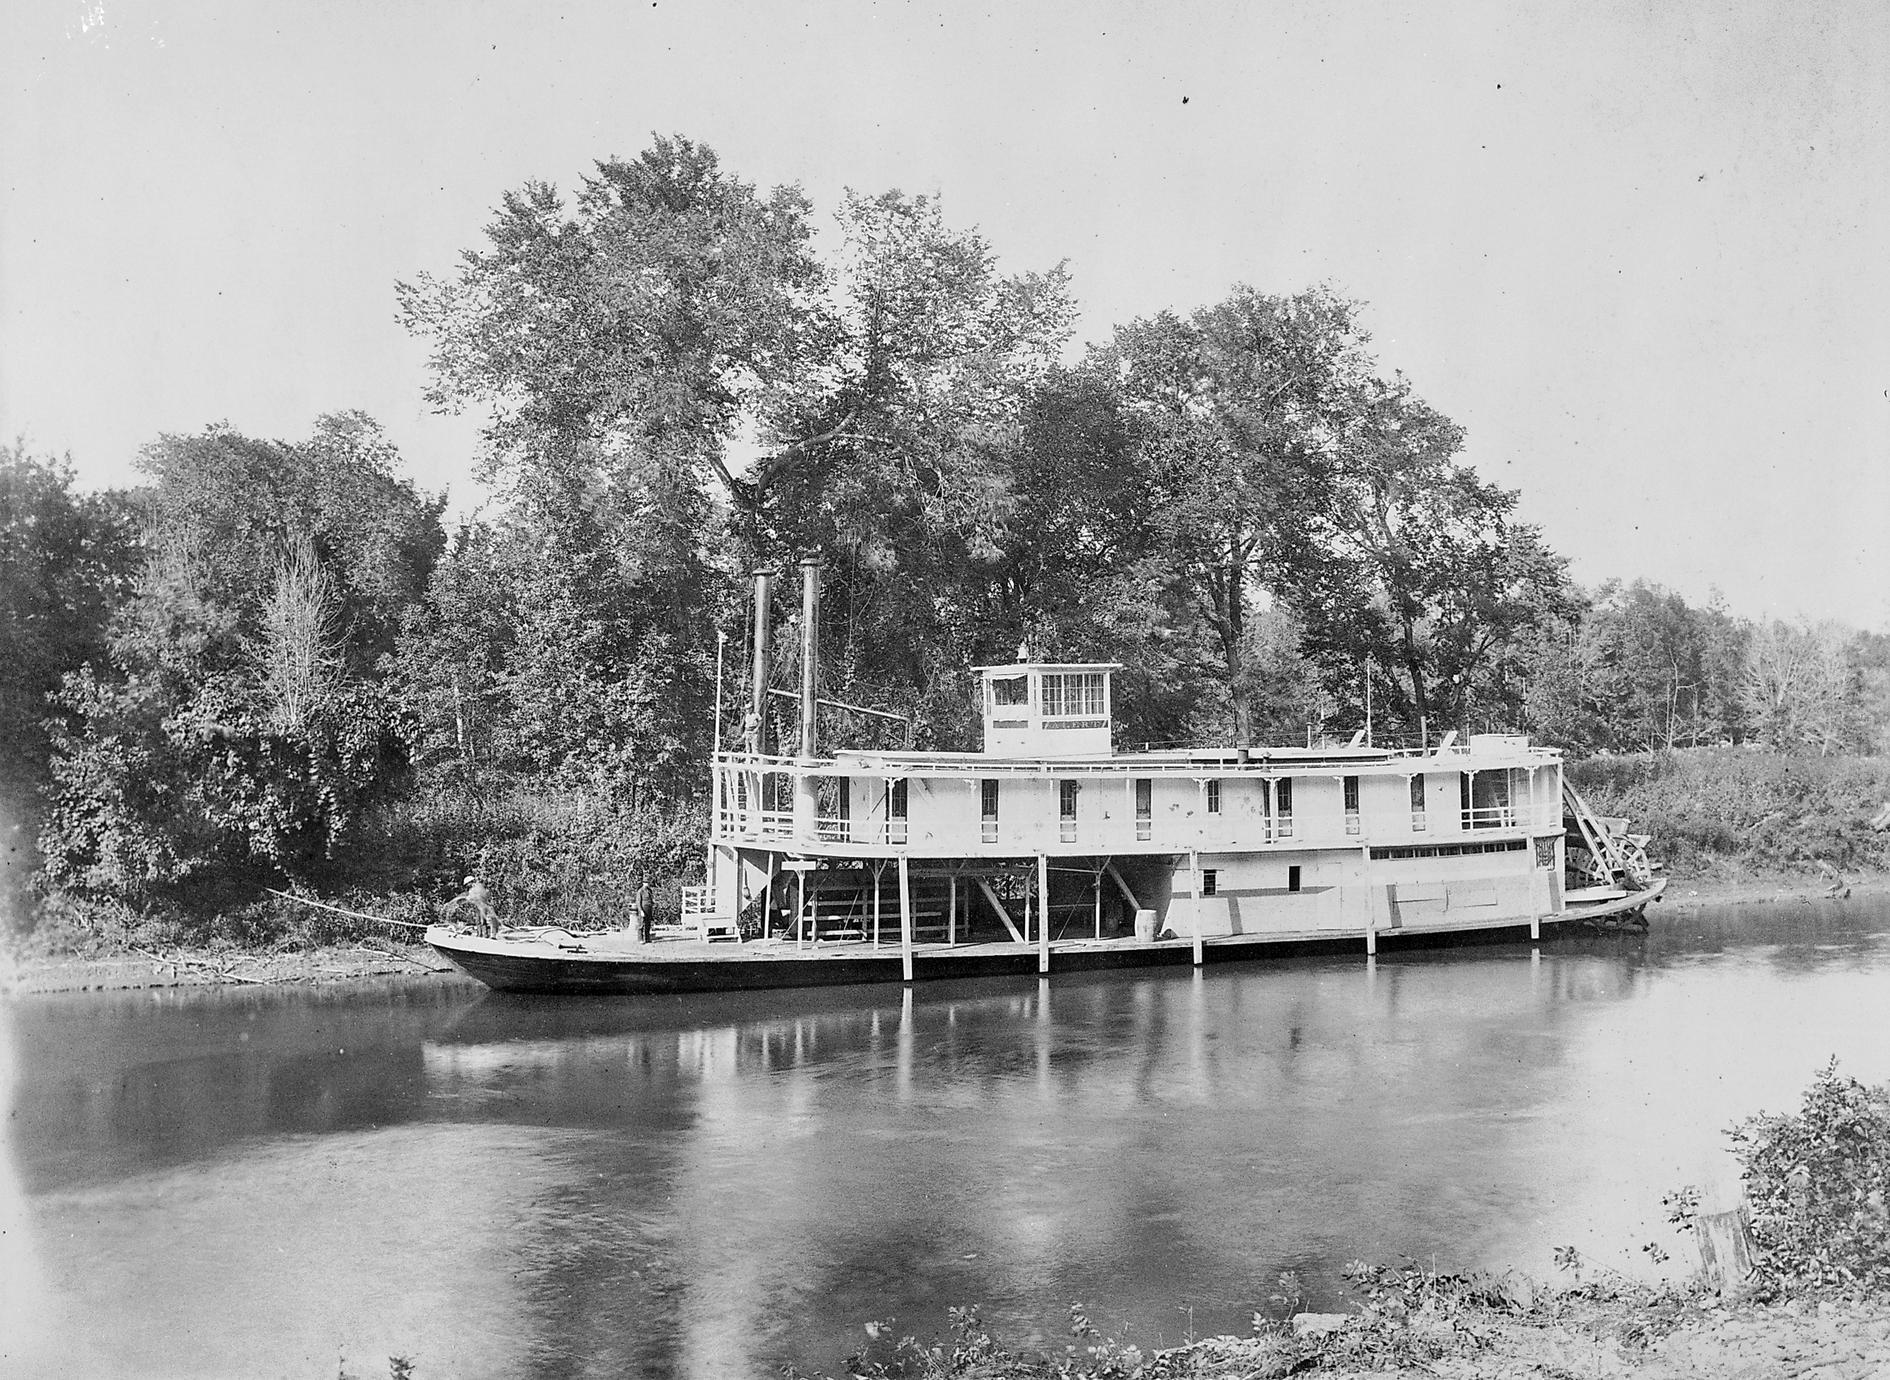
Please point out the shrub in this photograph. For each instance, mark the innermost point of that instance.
(1817, 1182)
(1736, 809)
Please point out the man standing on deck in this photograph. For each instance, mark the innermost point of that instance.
(485, 918)
(640, 911)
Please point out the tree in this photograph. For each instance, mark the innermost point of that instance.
(1233, 410)
(66, 560)
(650, 323)
(1799, 686)
(1425, 575)
(237, 725)
(625, 347)
(899, 469)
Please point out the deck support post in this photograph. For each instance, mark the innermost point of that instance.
(1194, 904)
(1098, 890)
(951, 909)
(879, 869)
(800, 908)
(1043, 913)
(1110, 868)
(1535, 923)
(1371, 905)
(767, 897)
(905, 918)
(998, 906)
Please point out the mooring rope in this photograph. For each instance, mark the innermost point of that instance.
(341, 910)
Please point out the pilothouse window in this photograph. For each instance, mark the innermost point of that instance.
(1010, 690)
(1073, 695)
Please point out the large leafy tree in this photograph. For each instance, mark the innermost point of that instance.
(647, 324)
(900, 469)
(1234, 409)
(238, 719)
(1424, 579)
(627, 347)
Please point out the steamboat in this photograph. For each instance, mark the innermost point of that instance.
(1051, 850)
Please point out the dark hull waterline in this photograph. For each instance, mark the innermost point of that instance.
(671, 966)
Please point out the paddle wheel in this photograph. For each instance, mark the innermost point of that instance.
(1603, 856)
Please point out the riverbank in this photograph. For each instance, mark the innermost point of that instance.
(1479, 1327)
(1646, 1336)
(188, 967)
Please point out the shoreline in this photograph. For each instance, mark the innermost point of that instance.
(141, 969)
(1686, 1333)
(133, 970)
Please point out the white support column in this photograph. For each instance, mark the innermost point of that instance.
(905, 918)
(879, 871)
(800, 908)
(1194, 904)
(951, 909)
(1043, 913)
(767, 896)
(1097, 885)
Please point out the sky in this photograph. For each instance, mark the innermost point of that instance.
(1641, 252)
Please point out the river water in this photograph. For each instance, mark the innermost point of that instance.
(257, 1182)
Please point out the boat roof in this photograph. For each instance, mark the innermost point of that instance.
(1219, 760)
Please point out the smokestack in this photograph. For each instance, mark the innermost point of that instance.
(758, 706)
(810, 655)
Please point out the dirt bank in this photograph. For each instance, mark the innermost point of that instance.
(1697, 1339)
(226, 967)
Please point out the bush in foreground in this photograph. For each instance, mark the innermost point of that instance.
(1817, 1182)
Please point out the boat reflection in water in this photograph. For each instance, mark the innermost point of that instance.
(256, 1182)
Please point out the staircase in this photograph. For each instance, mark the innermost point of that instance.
(840, 907)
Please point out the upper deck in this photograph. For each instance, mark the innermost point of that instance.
(1048, 781)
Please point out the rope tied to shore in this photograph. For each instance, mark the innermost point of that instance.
(343, 910)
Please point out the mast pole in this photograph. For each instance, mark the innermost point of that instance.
(806, 799)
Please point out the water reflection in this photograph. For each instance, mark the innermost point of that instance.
(708, 1185)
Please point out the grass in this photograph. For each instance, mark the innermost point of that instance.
(1736, 813)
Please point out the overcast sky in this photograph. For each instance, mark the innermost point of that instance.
(1639, 251)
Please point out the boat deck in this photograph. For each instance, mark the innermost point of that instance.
(555, 960)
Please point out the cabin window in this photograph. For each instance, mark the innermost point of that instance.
(1144, 808)
(1214, 797)
(1292, 877)
(1210, 881)
(1007, 691)
(1073, 695)
(1351, 805)
(1283, 806)
(987, 809)
(896, 800)
(1066, 810)
(1486, 800)
(834, 801)
(1417, 803)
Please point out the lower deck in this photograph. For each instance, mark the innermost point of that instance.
(552, 960)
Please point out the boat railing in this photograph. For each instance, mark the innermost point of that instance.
(970, 834)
